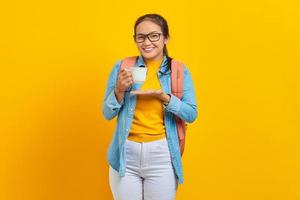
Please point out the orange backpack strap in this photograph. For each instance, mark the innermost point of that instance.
(128, 62)
(177, 76)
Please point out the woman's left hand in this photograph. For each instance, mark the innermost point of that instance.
(155, 93)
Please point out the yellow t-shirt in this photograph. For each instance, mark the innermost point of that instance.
(148, 118)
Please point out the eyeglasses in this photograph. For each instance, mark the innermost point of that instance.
(153, 37)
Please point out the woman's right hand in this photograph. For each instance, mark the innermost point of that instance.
(124, 81)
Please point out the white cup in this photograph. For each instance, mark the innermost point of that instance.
(138, 73)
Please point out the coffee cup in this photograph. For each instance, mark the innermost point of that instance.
(138, 73)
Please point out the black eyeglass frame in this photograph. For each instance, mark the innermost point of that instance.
(147, 36)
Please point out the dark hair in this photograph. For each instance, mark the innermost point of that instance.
(162, 23)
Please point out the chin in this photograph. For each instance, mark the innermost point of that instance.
(149, 56)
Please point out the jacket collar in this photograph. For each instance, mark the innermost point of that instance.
(164, 69)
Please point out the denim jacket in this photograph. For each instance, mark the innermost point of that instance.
(185, 108)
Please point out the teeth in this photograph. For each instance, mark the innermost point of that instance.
(148, 49)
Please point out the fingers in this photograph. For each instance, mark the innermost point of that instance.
(141, 92)
(127, 82)
(125, 79)
(125, 73)
(124, 84)
(128, 76)
(125, 76)
(146, 92)
(134, 92)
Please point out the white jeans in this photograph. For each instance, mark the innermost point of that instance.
(149, 173)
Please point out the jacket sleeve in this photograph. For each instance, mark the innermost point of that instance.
(186, 108)
(111, 106)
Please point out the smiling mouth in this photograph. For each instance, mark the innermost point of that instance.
(148, 49)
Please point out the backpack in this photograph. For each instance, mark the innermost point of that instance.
(177, 90)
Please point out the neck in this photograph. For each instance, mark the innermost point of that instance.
(156, 59)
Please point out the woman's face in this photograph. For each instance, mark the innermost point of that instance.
(150, 49)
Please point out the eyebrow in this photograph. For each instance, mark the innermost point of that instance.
(147, 33)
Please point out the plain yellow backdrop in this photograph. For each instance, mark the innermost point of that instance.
(55, 57)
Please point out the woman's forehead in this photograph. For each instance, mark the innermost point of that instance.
(146, 27)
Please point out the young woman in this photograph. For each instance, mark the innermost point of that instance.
(144, 155)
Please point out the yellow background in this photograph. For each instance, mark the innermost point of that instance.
(244, 58)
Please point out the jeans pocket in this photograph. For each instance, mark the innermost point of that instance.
(160, 153)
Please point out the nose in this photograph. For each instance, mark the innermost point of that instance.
(147, 41)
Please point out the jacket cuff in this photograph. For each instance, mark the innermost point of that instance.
(174, 104)
(112, 100)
